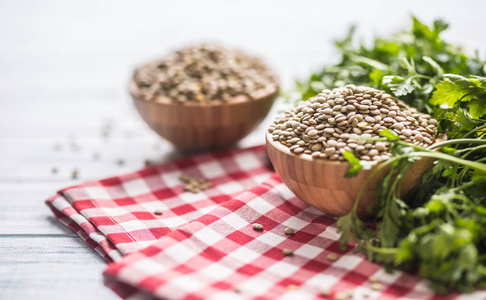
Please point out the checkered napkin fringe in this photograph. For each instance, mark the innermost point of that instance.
(204, 245)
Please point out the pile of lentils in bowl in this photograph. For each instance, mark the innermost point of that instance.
(204, 72)
(337, 120)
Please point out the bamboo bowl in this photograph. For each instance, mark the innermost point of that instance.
(321, 182)
(192, 126)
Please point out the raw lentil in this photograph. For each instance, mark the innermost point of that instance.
(193, 184)
(158, 212)
(334, 131)
(257, 226)
(288, 252)
(202, 73)
(332, 256)
(344, 295)
(288, 231)
(75, 174)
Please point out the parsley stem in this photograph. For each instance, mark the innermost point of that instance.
(474, 130)
(457, 141)
(380, 250)
(373, 173)
(469, 184)
(470, 150)
(472, 164)
(421, 76)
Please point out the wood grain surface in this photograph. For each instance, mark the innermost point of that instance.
(64, 67)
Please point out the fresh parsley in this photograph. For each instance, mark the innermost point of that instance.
(437, 229)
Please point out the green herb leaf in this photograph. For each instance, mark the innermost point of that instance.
(435, 66)
(376, 76)
(389, 134)
(354, 164)
(399, 85)
(457, 88)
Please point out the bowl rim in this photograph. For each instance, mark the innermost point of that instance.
(281, 147)
(269, 91)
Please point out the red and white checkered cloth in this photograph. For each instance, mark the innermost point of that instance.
(116, 216)
(204, 245)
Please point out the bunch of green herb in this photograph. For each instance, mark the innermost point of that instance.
(436, 230)
(408, 63)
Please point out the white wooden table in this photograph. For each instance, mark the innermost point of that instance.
(63, 72)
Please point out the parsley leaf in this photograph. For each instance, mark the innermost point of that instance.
(455, 88)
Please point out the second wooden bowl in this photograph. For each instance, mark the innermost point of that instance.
(321, 182)
(193, 126)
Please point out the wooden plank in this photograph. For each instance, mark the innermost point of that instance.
(34, 158)
(23, 212)
(50, 268)
(67, 114)
(26, 179)
(75, 119)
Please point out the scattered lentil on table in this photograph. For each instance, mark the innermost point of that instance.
(337, 120)
(204, 72)
(147, 163)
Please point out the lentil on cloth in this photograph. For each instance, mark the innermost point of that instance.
(257, 226)
(333, 122)
(193, 184)
(288, 252)
(202, 73)
(288, 231)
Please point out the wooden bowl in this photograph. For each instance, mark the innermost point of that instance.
(194, 126)
(321, 182)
